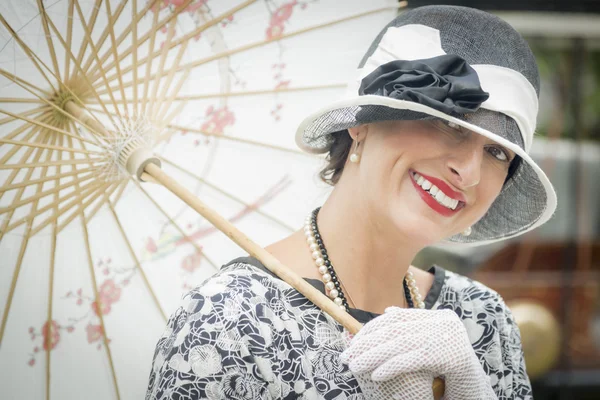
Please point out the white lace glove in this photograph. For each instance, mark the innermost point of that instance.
(398, 354)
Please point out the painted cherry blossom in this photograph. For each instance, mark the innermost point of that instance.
(50, 330)
(94, 333)
(192, 7)
(150, 243)
(283, 13)
(219, 119)
(274, 31)
(109, 292)
(100, 307)
(279, 17)
(191, 262)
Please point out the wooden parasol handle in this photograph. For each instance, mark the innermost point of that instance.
(269, 261)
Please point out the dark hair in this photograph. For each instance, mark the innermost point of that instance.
(336, 157)
(340, 148)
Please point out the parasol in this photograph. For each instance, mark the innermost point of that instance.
(100, 101)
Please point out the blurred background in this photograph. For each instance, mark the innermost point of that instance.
(551, 276)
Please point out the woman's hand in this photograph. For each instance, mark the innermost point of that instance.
(402, 351)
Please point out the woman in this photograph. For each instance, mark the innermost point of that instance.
(430, 145)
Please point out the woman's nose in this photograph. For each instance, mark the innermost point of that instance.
(465, 165)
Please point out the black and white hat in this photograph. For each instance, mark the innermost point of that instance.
(464, 66)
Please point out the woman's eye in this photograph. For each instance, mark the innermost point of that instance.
(498, 153)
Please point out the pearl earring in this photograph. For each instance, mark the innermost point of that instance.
(354, 157)
(467, 232)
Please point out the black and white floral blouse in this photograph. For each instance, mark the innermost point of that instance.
(246, 334)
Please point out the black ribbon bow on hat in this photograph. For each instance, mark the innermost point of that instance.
(446, 83)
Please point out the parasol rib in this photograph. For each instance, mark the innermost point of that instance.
(234, 139)
(105, 33)
(50, 303)
(45, 117)
(135, 59)
(250, 46)
(111, 25)
(260, 92)
(132, 25)
(179, 41)
(106, 198)
(84, 44)
(228, 195)
(51, 278)
(24, 243)
(94, 52)
(137, 263)
(18, 100)
(49, 41)
(69, 41)
(115, 199)
(175, 225)
(148, 65)
(49, 163)
(16, 204)
(14, 173)
(25, 157)
(99, 308)
(45, 146)
(78, 66)
(61, 201)
(13, 283)
(164, 121)
(81, 212)
(161, 67)
(15, 78)
(155, 27)
(26, 113)
(43, 125)
(27, 51)
(244, 93)
(167, 135)
(19, 194)
(165, 105)
(66, 113)
(56, 177)
(105, 189)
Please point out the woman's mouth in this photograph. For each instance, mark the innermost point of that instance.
(437, 194)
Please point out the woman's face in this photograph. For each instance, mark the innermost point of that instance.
(426, 179)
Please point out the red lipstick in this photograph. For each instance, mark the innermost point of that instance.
(431, 202)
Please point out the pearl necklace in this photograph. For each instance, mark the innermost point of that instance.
(329, 277)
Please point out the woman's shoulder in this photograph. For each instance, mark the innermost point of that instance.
(241, 276)
(456, 289)
(247, 283)
(488, 320)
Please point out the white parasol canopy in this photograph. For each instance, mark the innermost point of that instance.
(92, 261)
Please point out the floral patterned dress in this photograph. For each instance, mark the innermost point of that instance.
(246, 334)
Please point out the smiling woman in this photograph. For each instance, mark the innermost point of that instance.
(431, 144)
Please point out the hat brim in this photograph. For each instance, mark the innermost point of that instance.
(530, 185)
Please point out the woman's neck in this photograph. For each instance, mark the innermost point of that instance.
(369, 259)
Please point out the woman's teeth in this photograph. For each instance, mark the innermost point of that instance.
(435, 192)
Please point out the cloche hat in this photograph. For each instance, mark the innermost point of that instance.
(464, 66)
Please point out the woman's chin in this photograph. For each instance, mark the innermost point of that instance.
(418, 229)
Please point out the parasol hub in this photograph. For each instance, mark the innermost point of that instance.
(135, 156)
(60, 100)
